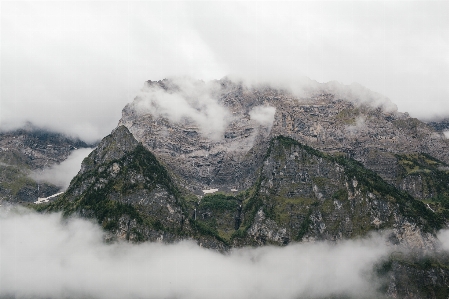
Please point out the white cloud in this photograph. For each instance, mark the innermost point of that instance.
(263, 115)
(358, 126)
(443, 236)
(61, 174)
(191, 101)
(45, 257)
(72, 66)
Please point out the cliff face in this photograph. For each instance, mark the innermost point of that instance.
(325, 121)
(287, 169)
(300, 194)
(124, 187)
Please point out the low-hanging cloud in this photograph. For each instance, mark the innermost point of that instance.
(44, 256)
(264, 115)
(443, 236)
(358, 126)
(72, 66)
(61, 174)
(188, 100)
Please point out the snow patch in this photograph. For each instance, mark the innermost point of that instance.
(46, 199)
(210, 191)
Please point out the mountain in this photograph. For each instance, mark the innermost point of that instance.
(265, 166)
(26, 150)
(374, 134)
(300, 194)
(286, 168)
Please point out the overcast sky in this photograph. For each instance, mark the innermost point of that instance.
(72, 66)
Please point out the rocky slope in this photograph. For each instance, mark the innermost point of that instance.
(30, 149)
(373, 134)
(288, 169)
(300, 194)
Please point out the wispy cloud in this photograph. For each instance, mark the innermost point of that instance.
(264, 115)
(61, 174)
(187, 101)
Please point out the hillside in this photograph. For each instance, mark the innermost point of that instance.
(28, 150)
(300, 194)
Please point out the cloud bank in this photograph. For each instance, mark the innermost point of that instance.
(61, 174)
(46, 257)
(72, 66)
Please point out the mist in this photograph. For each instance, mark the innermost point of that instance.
(73, 66)
(358, 126)
(191, 101)
(264, 115)
(45, 256)
(61, 174)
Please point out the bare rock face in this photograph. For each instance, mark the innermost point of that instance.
(440, 126)
(113, 147)
(207, 150)
(35, 148)
(305, 195)
(202, 161)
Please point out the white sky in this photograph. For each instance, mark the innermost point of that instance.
(72, 66)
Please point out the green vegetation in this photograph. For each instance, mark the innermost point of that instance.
(252, 205)
(219, 202)
(412, 268)
(206, 229)
(288, 142)
(372, 182)
(340, 195)
(14, 158)
(101, 199)
(14, 179)
(433, 177)
(218, 215)
(369, 181)
(347, 116)
(305, 226)
(408, 123)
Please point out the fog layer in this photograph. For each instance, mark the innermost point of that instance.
(192, 101)
(61, 174)
(44, 256)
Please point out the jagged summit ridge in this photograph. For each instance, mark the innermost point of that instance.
(113, 147)
(324, 119)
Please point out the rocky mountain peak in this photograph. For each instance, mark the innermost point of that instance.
(217, 148)
(113, 147)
